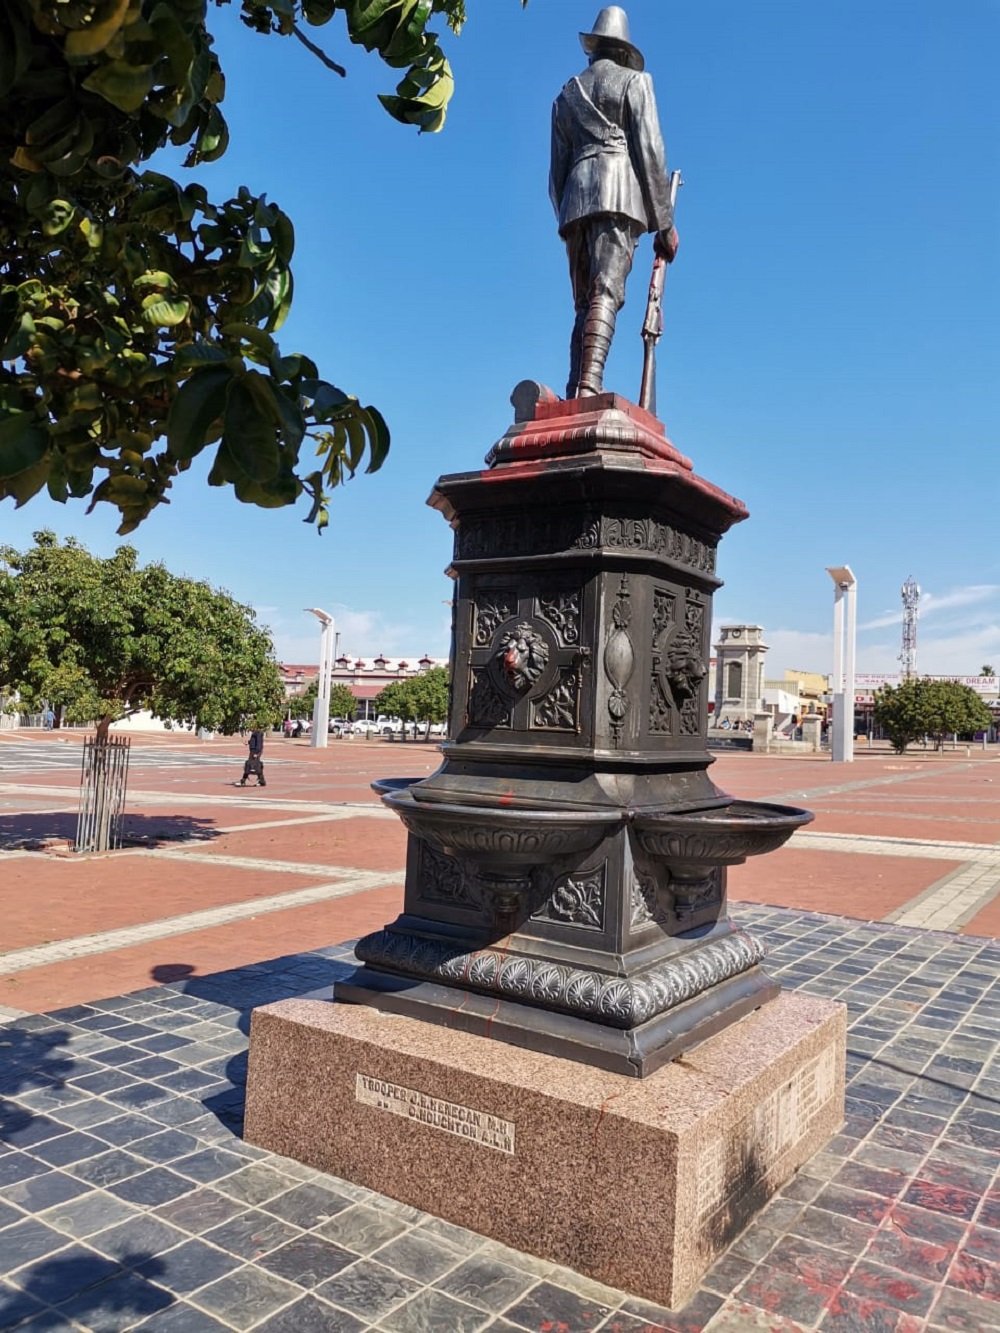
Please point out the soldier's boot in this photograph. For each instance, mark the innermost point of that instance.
(597, 334)
(575, 354)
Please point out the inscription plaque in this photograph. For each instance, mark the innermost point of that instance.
(490, 1131)
(755, 1145)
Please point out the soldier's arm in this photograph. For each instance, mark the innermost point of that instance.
(559, 162)
(647, 152)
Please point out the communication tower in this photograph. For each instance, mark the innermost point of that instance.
(910, 593)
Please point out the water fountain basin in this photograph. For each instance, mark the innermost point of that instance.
(722, 836)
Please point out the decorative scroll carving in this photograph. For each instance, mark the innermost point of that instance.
(492, 609)
(530, 533)
(686, 666)
(487, 707)
(562, 610)
(660, 706)
(645, 902)
(522, 657)
(621, 1002)
(559, 709)
(619, 661)
(444, 880)
(577, 900)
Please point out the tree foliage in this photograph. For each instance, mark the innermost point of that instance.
(934, 708)
(342, 702)
(104, 638)
(137, 316)
(422, 698)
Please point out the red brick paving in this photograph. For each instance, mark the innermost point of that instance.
(201, 952)
(48, 898)
(845, 883)
(362, 843)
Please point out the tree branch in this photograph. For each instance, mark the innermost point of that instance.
(318, 53)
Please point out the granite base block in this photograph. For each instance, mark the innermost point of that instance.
(640, 1184)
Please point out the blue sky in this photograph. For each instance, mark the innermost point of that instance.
(831, 346)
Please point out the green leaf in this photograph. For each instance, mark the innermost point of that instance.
(24, 442)
(249, 434)
(89, 41)
(199, 403)
(159, 312)
(124, 86)
(379, 440)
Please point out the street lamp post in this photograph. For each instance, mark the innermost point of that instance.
(321, 708)
(844, 638)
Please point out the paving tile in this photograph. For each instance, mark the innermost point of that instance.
(485, 1282)
(16, 1306)
(252, 1234)
(964, 1312)
(182, 1318)
(117, 1304)
(431, 1310)
(308, 1205)
(815, 1264)
(122, 1130)
(246, 1296)
(27, 1241)
(848, 1313)
(696, 1315)
(164, 1145)
(311, 1315)
(200, 1211)
(255, 1184)
(417, 1256)
(547, 1305)
(368, 1289)
(54, 1278)
(157, 1185)
(188, 1266)
(207, 1164)
(865, 1208)
(308, 1260)
(87, 1214)
(18, 1166)
(772, 1289)
(727, 1273)
(942, 1199)
(361, 1228)
(108, 1168)
(43, 1191)
(135, 1240)
(871, 1281)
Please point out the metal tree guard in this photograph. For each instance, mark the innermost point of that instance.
(103, 779)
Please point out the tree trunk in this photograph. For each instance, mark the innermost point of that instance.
(103, 727)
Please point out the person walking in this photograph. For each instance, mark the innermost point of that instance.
(608, 184)
(254, 762)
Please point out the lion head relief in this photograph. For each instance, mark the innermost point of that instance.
(522, 655)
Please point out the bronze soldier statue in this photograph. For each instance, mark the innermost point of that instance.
(608, 184)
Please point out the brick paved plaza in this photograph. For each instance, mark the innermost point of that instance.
(128, 1199)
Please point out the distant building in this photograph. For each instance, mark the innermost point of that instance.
(739, 673)
(366, 678)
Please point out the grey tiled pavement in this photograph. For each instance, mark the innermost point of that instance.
(128, 1199)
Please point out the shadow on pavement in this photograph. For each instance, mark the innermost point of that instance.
(235, 993)
(88, 1288)
(23, 830)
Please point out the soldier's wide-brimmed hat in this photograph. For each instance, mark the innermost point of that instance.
(611, 31)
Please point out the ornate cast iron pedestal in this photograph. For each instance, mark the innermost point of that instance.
(566, 871)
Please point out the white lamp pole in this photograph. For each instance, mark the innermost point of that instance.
(845, 620)
(321, 708)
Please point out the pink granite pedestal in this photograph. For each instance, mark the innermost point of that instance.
(639, 1183)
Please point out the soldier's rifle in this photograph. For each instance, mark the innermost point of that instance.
(652, 325)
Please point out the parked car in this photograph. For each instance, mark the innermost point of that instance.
(339, 726)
